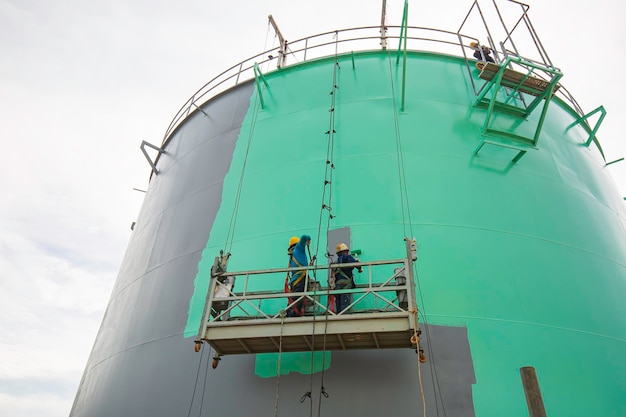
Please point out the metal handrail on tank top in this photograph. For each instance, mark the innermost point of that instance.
(428, 40)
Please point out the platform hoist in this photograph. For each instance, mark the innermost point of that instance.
(250, 318)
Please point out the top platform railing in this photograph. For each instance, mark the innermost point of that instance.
(338, 42)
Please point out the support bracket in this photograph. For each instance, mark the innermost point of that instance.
(145, 153)
(596, 127)
(514, 160)
(258, 75)
(402, 46)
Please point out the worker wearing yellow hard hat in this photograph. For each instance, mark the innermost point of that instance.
(481, 53)
(343, 276)
(296, 280)
(292, 241)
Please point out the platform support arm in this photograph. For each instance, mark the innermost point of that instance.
(402, 46)
(282, 52)
(145, 153)
(258, 75)
(596, 127)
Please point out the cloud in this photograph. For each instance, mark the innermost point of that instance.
(52, 299)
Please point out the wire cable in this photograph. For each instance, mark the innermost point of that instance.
(233, 219)
(280, 351)
(431, 351)
(329, 157)
(404, 197)
(206, 372)
(195, 385)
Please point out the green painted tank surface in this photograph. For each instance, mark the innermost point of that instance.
(529, 257)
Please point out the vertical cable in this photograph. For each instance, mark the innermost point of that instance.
(206, 372)
(233, 219)
(433, 368)
(195, 385)
(404, 197)
(329, 181)
(280, 351)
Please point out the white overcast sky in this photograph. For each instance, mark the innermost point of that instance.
(82, 83)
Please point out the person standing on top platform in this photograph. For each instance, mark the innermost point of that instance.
(485, 55)
(343, 277)
(297, 280)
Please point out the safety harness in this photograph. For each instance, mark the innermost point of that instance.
(300, 275)
(345, 281)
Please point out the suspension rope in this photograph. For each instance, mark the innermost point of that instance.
(330, 166)
(433, 368)
(267, 33)
(312, 368)
(267, 64)
(308, 393)
(404, 199)
(328, 180)
(404, 196)
(206, 372)
(233, 219)
(280, 352)
(195, 385)
(419, 364)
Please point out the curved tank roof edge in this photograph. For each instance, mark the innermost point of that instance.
(562, 103)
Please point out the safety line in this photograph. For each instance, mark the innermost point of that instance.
(195, 385)
(280, 352)
(404, 196)
(419, 364)
(433, 368)
(233, 220)
(206, 372)
(330, 167)
(267, 64)
(404, 199)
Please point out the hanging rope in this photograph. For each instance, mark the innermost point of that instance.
(206, 372)
(404, 197)
(233, 219)
(419, 363)
(433, 368)
(312, 368)
(326, 205)
(267, 64)
(280, 352)
(328, 181)
(195, 385)
(267, 33)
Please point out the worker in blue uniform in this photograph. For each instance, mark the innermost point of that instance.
(481, 52)
(343, 276)
(297, 279)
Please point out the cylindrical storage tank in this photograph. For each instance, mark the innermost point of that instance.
(522, 262)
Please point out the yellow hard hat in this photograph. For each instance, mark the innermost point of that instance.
(293, 240)
(341, 247)
(473, 44)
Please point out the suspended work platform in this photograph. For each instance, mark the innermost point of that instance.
(242, 315)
